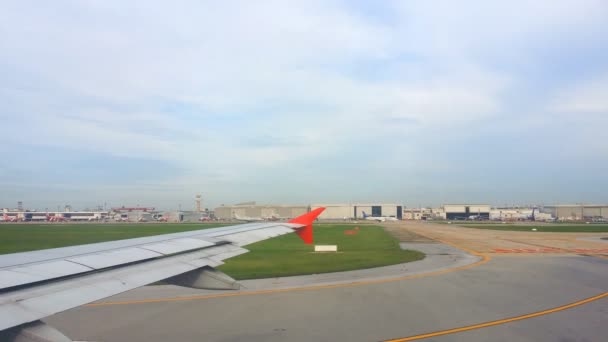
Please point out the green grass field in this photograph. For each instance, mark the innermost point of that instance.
(28, 237)
(287, 255)
(282, 256)
(557, 228)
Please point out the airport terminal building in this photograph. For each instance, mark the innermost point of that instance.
(41, 216)
(466, 211)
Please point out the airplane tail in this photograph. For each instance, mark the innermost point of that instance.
(365, 215)
(305, 233)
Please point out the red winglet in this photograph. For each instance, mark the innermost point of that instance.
(305, 233)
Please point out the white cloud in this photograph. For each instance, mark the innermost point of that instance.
(587, 98)
(231, 59)
(475, 28)
(583, 108)
(262, 85)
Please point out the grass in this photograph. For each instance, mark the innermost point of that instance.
(557, 228)
(282, 256)
(28, 237)
(288, 256)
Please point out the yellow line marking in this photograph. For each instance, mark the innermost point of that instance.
(500, 321)
(484, 259)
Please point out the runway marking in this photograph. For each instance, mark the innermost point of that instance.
(484, 259)
(500, 321)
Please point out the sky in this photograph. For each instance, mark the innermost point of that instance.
(415, 102)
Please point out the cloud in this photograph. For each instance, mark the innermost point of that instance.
(475, 28)
(241, 96)
(588, 98)
(226, 64)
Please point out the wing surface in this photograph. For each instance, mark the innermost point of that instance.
(37, 284)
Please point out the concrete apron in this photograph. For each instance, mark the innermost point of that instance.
(439, 257)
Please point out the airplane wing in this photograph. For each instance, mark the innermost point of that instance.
(37, 284)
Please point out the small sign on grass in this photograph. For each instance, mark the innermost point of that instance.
(326, 248)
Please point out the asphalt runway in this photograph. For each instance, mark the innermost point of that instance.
(496, 289)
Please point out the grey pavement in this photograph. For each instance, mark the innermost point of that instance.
(503, 287)
(438, 257)
(594, 239)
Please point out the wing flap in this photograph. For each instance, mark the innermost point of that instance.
(177, 246)
(39, 272)
(114, 258)
(228, 254)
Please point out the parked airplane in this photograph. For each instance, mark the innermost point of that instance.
(379, 218)
(10, 218)
(121, 218)
(160, 218)
(532, 217)
(526, 214)
(37, 284)
(258, 219)
(247, 218)
(272, 217)
(56, 218)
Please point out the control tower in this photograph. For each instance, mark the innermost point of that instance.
(198, 200)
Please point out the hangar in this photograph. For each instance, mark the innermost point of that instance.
(253, 210)
(577, 211)
(355, 210)
(466, 211)
(340, 211)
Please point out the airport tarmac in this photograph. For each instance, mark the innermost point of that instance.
(486, 287)
(491, 242)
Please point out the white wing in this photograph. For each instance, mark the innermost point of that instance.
(37, 284)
